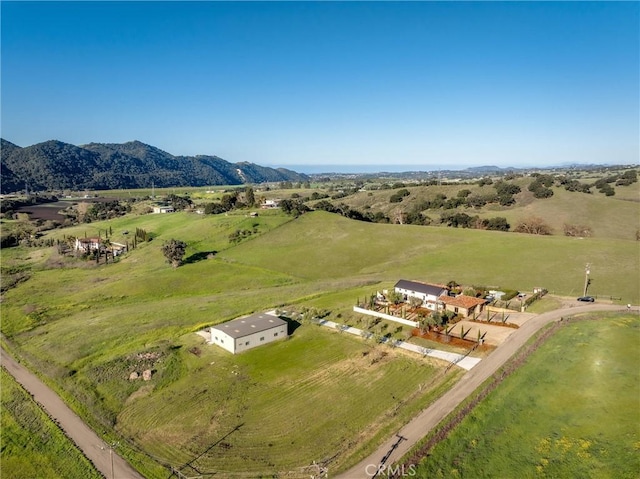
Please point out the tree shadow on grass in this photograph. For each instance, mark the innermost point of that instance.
(202, 255)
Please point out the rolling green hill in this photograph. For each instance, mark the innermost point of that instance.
(615, 216)
(82, 325)
(323, 246)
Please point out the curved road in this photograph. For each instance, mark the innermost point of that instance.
(113, 466)
(107, 461)
(400, 443)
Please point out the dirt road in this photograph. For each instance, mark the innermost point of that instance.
(107, 461)
(400, 443)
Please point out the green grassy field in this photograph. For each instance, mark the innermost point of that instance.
(571, 411)
(81, 325)
(322, 246)
(31, 444)
(317, 396)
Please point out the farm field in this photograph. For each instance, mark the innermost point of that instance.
(83, 326)
(318, 396)
(32, 445)
(570, 411)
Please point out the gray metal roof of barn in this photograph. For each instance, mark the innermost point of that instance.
(241, 327)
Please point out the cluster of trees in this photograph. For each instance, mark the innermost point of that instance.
(399, 195)
(234, 199)
(318, 196)
(435, 319)
(574, 185)
(541, 186)
(240, 234)
(141, 235)
(21, 231)
(107, 210)
(289, 185)
(627, 178)
(463, 220)
(505, 192)
(179, 203)
(295, 206)
(228, 202)
(624, 179)
(85, 212)
(351, 213)
(504, 196)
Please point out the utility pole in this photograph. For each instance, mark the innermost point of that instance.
(587, 271)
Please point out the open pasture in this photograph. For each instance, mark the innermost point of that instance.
(79, 323)
(317, 396)
(321, 245)
(32, 445)
(571, 411)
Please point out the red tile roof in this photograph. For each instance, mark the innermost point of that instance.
(462, 301)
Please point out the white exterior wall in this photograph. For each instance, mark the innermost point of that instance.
(428, 300)
(237, 345)
(222, 339)
(413, 294)
(163, 209)
(255, 339)
(87, 246)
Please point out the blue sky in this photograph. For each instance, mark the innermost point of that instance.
(416, 84)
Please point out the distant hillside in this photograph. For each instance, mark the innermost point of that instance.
(54, 165)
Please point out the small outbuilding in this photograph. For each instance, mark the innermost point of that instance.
(463, 305)
(249, 332)
(163, 209)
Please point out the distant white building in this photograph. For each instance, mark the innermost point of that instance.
(163, 209)
(246, 333)
(270, 204)
(86, 245)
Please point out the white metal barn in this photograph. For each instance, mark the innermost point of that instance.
(246, 333)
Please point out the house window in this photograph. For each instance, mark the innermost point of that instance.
(275, 334)
(262, 338)
(247, 343)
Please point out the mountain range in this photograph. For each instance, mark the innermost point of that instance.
(54, 165)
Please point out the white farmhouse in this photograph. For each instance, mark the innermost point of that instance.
(246, 333)
(429, 294)
(86, 245)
